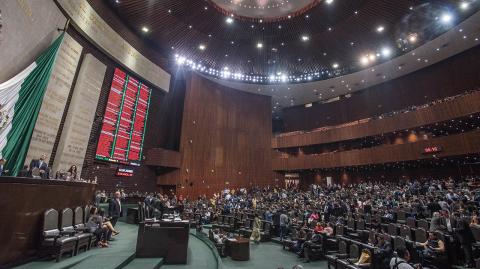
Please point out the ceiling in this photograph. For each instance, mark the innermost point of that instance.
(289, 39)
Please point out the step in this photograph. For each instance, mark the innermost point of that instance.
(276, 240)
(106, 261)
(144, 263)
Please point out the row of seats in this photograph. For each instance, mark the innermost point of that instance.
(65, 233)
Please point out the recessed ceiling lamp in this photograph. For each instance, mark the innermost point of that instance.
(328, 2)
(446, 18)
(259, 45)
(412, 38)
(202, 47)
(305, 38)
(380, 29)
(386, 52)
(145, 29)
(229, 20)
(464, 5)
(335, 65)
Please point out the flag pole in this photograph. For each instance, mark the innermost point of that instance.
(65, 28)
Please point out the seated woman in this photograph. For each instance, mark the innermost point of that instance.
(99, 227)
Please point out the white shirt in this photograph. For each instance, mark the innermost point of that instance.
(402, 264)
(119, 204)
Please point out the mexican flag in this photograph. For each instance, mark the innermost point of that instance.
(20, 101)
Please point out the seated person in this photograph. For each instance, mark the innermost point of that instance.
(100, 226)
(328, 230)
(301, 237)
(432, 248)
(401, 260)
(314, 243)
(319, 227)
(219, 237)
(383, 251)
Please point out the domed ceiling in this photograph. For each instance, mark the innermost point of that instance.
(288, 41)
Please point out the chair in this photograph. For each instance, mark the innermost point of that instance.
(402, 217)
(392, 229)
(423, 224)
(265, 233)
(341, 254)
(53, 243)
(398, 243)
(411, 222)
(405, 232)
(219, 246)
(339, 230)
(83, 236)
(353, 255)
(420, 235)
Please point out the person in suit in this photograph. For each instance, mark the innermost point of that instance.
(465, 237)
(115, 208)
(2, 167)
(41, 164)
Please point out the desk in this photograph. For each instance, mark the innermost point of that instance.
(163, 239)
(238, 249)
(23, 202)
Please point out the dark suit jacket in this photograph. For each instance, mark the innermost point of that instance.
(463, 231)
(114, 210)
(36, 164)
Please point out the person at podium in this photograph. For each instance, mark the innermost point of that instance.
(41, 165)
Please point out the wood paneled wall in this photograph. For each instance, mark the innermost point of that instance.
(225, 140)
(449, 77)
(459, 107)
(459, 144)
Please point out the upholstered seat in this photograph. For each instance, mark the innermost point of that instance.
(53, 242)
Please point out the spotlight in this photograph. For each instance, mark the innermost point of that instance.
(201, 47)
(446, 18)
(328, 2)
(412, 38)
(259, 45)
(386, 52)
(335, 65)
(372, 57)
(364, 60)
(464, 5)
(229, 20)
(380, 29)
(181, 60)
(145, 29)
(305, 38)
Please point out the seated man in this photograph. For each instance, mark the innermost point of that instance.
(301, 237)
(433, 248)
(402, 259)
(314, 243)
(383, 251)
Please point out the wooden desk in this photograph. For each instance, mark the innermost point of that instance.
(23, 202)
(168, 240)
(238, 249)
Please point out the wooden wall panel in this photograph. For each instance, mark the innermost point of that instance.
(225, 138)
(455, 108)
(465, 143)
(449, 77)
(162, 157)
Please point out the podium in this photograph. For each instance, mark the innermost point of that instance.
(163, 239)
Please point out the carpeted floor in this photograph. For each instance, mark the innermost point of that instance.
(120, 250)
(266, 255)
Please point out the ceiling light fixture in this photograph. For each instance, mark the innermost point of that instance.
(259, 45)
(328, 2)
(464, 5)
(202, 47)
(446, 18)
(380, 29)
(145, 29)
(386, 52)
(229, 20)
(335, 65)
(305, 38)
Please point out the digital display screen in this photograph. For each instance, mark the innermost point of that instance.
(123, 128)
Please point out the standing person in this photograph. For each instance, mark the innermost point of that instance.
(41, 164)
(283, 225)
(115, 208)
(2, 167)
(256, 236)
(465, 238)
